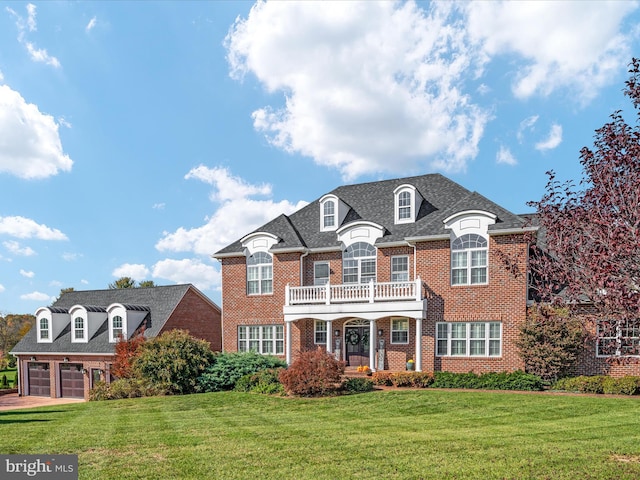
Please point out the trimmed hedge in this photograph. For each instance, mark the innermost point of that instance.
(628, 385)
(517, 380)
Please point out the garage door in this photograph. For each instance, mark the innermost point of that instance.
(71, 380)
(39, 380)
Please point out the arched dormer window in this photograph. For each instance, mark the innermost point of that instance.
(469, 260)
(359, 263)
(406, 203)
(259, 274)
(332, 213)
(117, 328)
(329, 215)
(78, 329)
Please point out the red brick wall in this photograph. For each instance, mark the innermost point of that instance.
(199, 317)
(503, 300)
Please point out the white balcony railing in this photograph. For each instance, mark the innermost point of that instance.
(354, 293)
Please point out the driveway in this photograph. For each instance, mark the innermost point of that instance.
(12, 401)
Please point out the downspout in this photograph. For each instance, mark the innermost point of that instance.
(302, 267)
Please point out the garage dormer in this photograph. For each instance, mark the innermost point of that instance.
(124, 320)
(407, 202)
(332, 213)
(85, 322)
(50, 322)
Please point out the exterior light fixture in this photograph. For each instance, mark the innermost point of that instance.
(33, 359)
(380, 332)
(65, 359)
(336, 333)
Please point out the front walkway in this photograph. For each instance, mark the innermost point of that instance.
(13, 401)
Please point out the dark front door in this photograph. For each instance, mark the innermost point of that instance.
(71, 380)
(39, 379)
(357, 344)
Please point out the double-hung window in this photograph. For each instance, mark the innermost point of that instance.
(329, 214)
(259, 274)
(400, 269)
(619, 338)
(320, 273)
(264, 339)
(399, 330)
(404, 206)
(117, 328)
(320, 332)
(359, 263)
(44, 329)
(469, 260)
(469, 339)
(78, 328)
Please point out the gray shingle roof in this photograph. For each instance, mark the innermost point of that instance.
(374, 202)
(160, 302)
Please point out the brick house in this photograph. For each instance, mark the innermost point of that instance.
(380, 273)
(72, 344)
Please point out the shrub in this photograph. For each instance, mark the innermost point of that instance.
(228, 368)
(357, 385)
(621, 386)
(126, 388)
(517, 380)
(173, 360)
(125, 352)
(265, 381)
(313, 373)
(550, 341)
(599, 384)
(382, 378)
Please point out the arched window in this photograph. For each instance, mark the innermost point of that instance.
(117, 327)
(329, 214)
(44, 328)
(78, 328)
(469, 260)
(259, 274)
(404, 206)
(359, 263)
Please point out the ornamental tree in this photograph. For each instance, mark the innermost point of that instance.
(591, 249)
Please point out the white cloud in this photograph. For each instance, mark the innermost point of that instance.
(2, 289)
(92, 23)
(188, 270)
(369, 86)
(84, 282)
(30, 145)
(71, 257)
(37, 296)
(21, 227)
(236, 216)
(158, 206)
(55, 283)
(573, 45)
(526, 125)
(505, 156)
(30, 25)
(27, 274)
(136, 271)
(17, 249)
(553, 140)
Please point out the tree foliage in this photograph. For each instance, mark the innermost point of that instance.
(12, 329)
(550, 341)
(592, 230)
(125, 352)
(173, 360)
(123, 282)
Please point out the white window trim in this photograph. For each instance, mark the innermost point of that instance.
(315, 277)
(469, 267)
(407, 271)
(468, 339)
(259, 268)
(316, 324)
(393, 330)
(411, 190)
(48, 330)
(336, 210)
(274, 338)
(618, 338)
(358, 266)
(74, 329)
(112, 337)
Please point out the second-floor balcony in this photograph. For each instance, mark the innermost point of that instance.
(371, 292)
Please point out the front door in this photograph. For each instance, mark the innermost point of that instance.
(357, 346)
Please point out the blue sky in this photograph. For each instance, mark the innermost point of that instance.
(138, 138)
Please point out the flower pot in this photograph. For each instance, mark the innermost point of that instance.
(411, 366)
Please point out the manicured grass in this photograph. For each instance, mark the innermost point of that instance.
(384, 435)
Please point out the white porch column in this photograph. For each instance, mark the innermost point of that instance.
(418, 344)
(287, 341)
(372, 345)
(329, 337)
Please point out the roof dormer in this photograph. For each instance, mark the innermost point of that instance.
(50, 321)
(406, 204)
(85, 322)
(124, 320)
(470, 221)
(332, 213)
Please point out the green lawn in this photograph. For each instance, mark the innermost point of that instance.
(382, 435)
(11, 374)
